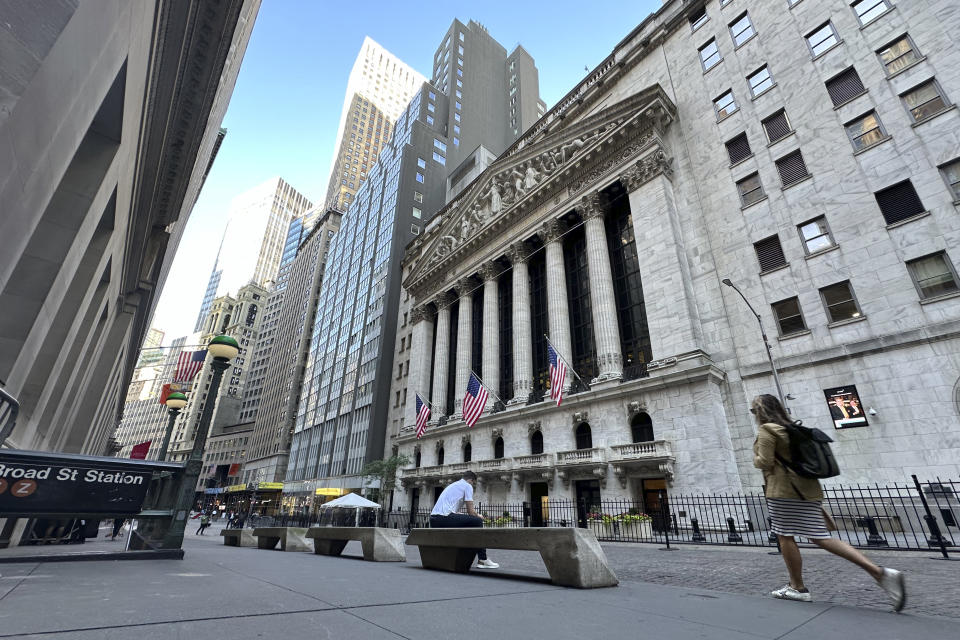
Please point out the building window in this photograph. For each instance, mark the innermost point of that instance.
(750, 189)
(417, 213)
(432, 95)
(792, 168)
(458, 106)
(770, 254)
(821, 39)
(724, 105)
(430, 107)
(777, 127)
(439, 158)
(760, 80)
(416, 459)
(415, 229)
(439, 145)
(865, 131)
(724, 3)
(742, 29)
(710, 55)
(641, 428)
(869, 10)
(951, 173)
(738, 148)
(419, 177)
(899, 202)
(698, 18)
(417, 196)
(840, 302)
(924, 101)
(933, 275)
(536, 442)
(584, 437)
(456, 128)
(456, 117)
(898, 55)
(498, 448)
(456, 141)
(421, 163)
(815, 235)
(845, 86)
(788, 315)
(467, 452)
(429, 119)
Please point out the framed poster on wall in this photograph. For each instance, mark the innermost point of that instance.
(845, 407)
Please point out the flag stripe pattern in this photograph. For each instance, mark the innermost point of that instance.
(188, 364)
(474, 401)
(558, 373)
(423, 414)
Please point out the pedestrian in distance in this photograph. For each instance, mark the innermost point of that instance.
(795, 506)
(117, 526)
(446, 513)
(204, 523)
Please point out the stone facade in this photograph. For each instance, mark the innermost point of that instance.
(640, 139)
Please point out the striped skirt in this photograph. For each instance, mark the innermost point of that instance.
(792, 517)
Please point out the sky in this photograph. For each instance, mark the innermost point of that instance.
(283, 116)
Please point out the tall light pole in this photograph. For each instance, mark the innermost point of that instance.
(175, 401)
(766, 342)
(223, 349)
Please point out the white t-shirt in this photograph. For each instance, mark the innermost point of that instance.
(453, 498)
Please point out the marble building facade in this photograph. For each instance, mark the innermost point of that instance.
(611, 223)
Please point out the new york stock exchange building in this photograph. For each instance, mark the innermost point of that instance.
(609, 228)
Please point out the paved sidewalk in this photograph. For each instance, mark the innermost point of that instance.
(249, 593)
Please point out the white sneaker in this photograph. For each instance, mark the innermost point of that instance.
(787, 592)
(893, 582)
(487, 564)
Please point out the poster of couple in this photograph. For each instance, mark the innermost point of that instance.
(845, 407)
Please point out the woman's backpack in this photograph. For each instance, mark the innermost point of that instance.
(810, 453)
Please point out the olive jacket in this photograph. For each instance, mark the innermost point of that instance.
(779, 482)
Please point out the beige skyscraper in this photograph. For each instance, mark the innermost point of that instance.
(379, 88)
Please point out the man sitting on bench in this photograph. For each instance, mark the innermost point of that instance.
(446, 513)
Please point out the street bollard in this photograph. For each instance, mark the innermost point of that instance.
(874, 539)
(733, 536)
(697, 536)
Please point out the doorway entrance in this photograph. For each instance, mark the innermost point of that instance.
(414, 505)
(538, 504)
(657, 508)
(588, 499)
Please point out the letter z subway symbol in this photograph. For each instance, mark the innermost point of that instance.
(23, 488)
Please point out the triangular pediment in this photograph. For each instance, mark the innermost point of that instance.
(554, 159)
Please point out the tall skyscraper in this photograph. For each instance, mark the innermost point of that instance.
(342, 415)
(379, 88)
(252, 244)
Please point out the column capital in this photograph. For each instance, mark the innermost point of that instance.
(443, 300)
(551, 231)
(518, 252)
(465, 286)
(591, 206)
(490, 270)
(646, 169)
(419, 314)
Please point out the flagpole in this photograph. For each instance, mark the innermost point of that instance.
(494, 393)
(427, 402)
(569, 366)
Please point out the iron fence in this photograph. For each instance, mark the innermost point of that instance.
(917, 516)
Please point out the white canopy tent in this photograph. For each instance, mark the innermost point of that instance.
(351, 501)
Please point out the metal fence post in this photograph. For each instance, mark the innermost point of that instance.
(935, 536)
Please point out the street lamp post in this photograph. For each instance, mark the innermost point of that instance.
(175, 402)
(766, 342)
(223, 349)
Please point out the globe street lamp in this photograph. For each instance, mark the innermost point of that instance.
(766, 342)
(223, 349)
(175, 401)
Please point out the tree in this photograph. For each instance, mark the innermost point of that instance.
(385, 471)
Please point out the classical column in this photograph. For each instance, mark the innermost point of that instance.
(441, 356)
(558, 314)
(606, 332)
(491, 329)
(522, 346)
(464, 344)
(420, 360)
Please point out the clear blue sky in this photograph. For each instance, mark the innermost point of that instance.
(286, 106)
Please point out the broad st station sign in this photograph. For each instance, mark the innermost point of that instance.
(39, 483)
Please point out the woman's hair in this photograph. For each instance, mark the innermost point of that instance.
(769, 409)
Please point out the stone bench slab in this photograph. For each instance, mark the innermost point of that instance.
(238, 537)
(572, 556)
(379, 544)
(290, 538)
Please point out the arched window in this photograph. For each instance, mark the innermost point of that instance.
(416, 459)
(440, 455)
(467, 452)
(498, 448)
(536, 442)
(641, 428)
(584, 437)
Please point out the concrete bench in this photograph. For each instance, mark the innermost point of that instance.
(238, 537)
(573, 557)
(379, 544)
(290, 538)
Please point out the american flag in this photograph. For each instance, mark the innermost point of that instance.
(423, 414)
(474, 401)
(188, 364)
(558, 373)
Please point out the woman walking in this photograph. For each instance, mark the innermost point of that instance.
(795, 508)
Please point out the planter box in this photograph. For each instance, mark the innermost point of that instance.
(636, 530)
(600, 529)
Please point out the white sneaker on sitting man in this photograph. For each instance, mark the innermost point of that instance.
(487, 564)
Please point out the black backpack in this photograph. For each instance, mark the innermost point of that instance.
(810, 454)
